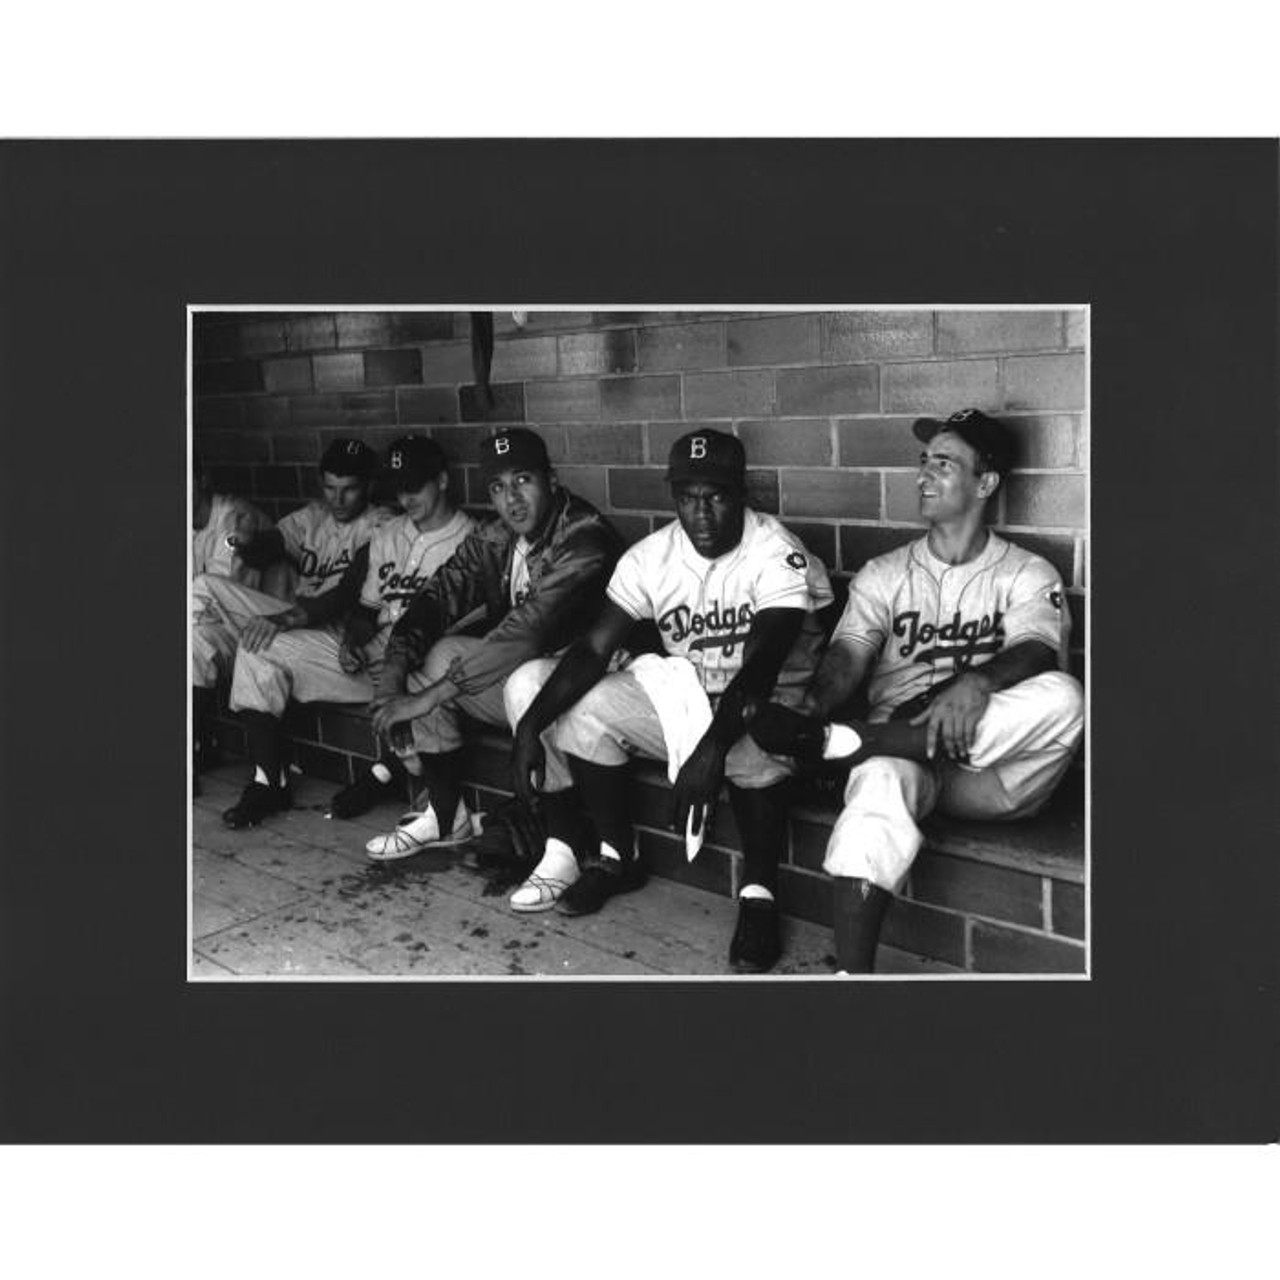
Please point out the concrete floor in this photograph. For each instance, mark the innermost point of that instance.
(297, 897)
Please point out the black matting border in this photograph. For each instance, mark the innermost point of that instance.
(102, 245)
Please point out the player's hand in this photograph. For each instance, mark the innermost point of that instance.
(352, 658)
(395, 709)
(528, 767)
(783, 732)
(258, 633)
(697, 786)
(952, 717)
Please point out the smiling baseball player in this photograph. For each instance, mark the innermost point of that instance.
(328, 648)
(961, 633)
(733, 594)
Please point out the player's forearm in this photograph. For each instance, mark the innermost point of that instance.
(837, 679)
(1013, 665)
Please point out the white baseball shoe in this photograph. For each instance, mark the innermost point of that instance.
(416, 832)
(548, 880)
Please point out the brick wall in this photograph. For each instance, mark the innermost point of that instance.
(822, 400)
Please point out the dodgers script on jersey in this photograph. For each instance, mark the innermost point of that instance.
(402, 560)
(929, 620)
(209, 550)
(704, 608)
(322, 549)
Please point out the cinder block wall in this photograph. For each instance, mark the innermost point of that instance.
(822, 400)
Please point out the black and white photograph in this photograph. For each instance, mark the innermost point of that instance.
(639, 643)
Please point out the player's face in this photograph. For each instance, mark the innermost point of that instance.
(523, 500)
(950, 484)
(424, 505)
(710, 515)
(345, 496)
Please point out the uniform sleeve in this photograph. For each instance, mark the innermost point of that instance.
(867, 616)
(379, 551)
(1037, 607)
(454, 590)
(788, 578)
(627, 585)
(293, 529)
(569, 588)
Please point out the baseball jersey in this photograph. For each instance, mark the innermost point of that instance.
(929, 620)
(704, 608)
(209, 551)
(321, 548)
(402, 560)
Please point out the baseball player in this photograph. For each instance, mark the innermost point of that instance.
(523, 585)
(959, 635)
(328, 646)
(218, 523)
(315, 545)
(734, 596)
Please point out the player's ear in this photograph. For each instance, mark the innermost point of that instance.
(988, 483)
(443, 482)
(553, 481)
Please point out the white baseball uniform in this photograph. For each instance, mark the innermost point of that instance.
(304, 664)
(926, 621)
(319, 549)
(704, 610)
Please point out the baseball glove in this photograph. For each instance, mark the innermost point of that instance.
(783, 732)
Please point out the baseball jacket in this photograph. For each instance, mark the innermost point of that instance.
(569, 568)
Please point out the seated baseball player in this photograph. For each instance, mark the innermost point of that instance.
(219, 522)
(734, 596)
(960, 634)
(523, 585)
(328, 647)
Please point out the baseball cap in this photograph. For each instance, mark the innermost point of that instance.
(518, 449)
(992, 441)
(411, 461)
(349, 458)
(709, 456)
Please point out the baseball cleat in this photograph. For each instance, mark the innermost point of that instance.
(258, 801)
(361, 796)
(546, 884)
(598, 883)
(756, 945)
(416, 832)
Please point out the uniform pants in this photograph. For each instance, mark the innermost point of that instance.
(1022, 747)
(302, 665)
(219, 609)
(615, 720)
(440, 731)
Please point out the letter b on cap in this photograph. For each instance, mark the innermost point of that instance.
(698, 447)
(501, 445)
(397, 459)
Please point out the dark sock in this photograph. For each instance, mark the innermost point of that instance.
(202, 708)
(761, 815)
(440, 780)
(266, 744)
(859, 913)
(605, 791)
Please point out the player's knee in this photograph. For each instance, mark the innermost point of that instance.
(878, 778)
(523, 685)
(1063, 701)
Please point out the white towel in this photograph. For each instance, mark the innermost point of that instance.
(684, 713)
